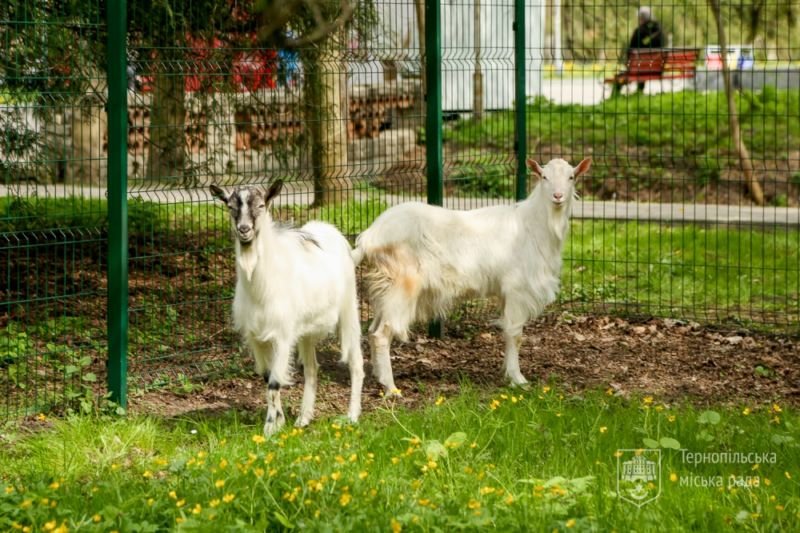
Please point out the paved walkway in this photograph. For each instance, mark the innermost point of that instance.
(297, 194)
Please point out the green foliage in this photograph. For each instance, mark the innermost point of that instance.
(483, 179)
(514, 460)
(687, 130)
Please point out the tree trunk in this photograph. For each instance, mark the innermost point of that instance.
(419, 6)
(167, 121)
(477, 76)
(753, 186)
(327, 114)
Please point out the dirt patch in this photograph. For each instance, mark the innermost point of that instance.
(670, 359)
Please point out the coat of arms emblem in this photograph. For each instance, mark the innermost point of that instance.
(638, 475)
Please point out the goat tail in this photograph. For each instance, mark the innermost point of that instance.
(358, 253)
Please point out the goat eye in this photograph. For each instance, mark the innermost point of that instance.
(261, 206)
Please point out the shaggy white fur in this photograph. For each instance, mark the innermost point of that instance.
(425, 258)
(293, 286)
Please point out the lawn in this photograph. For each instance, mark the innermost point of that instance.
(531, 460)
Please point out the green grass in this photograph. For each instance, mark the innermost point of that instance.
(688, 126)
(524, 461)
(686, 270)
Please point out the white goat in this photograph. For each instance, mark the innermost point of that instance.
(425, 258)
(293, 286)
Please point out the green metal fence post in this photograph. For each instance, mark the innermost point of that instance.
(117, 202)
(433, 114)
(520, 118)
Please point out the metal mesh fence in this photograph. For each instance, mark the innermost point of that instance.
(668, 225)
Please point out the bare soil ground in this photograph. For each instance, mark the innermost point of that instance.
(671, 360)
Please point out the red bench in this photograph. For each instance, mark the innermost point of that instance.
(657, 64)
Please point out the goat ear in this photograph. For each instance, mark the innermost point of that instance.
(535, 168)
(274, 188)
(218, 193)
(583, 167)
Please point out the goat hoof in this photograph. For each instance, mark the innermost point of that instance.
(521, 384)
(353, 418)
(302, 422)
(273, 426)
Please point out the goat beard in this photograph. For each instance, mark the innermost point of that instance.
(247, 259)
(559, 222)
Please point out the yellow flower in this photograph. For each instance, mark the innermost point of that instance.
(396, 526)
(180, 520)
(494, 405)
(96, 518)
(671, 418)
(219, 483)
(345, 499)
(415, 441)
(423, 501)
(173, 495)
(755, 467)
(570, 523)
(395, 460)
(147, 474)
(746, 411)
(50, 526)
(41, 417)
(486, 490)
(779, 507)
(432, 464)
(509, 499)
(228, 498)
(214, 502)
(776, 408)
(609, 391)
(647, 401)
(61, 529)
(339, 459)
(258, 472)
(788, 475)
(603, 429)
(9, 489)
(363, 474)
(259, 439)
(54, 485)
(767, 481)
(617, 454)
(223, 463)
(197, 509)
(150, 502)
(659, 408)
(474, 504)
(673, 477)
(545, 389)
(180, 503)
(336, 475)
(273, 472)
(440, 400)
(353, 458)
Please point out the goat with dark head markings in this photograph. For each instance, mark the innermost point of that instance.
(423, 259)
(293, 287)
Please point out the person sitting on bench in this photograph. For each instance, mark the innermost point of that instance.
(647, 35)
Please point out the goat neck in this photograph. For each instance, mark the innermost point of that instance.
(549, 223)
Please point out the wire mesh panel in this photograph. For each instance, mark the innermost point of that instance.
(680, 216)
(218, 99)
(672, 221)
(52, 205)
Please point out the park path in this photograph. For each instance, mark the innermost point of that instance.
(301, 194)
